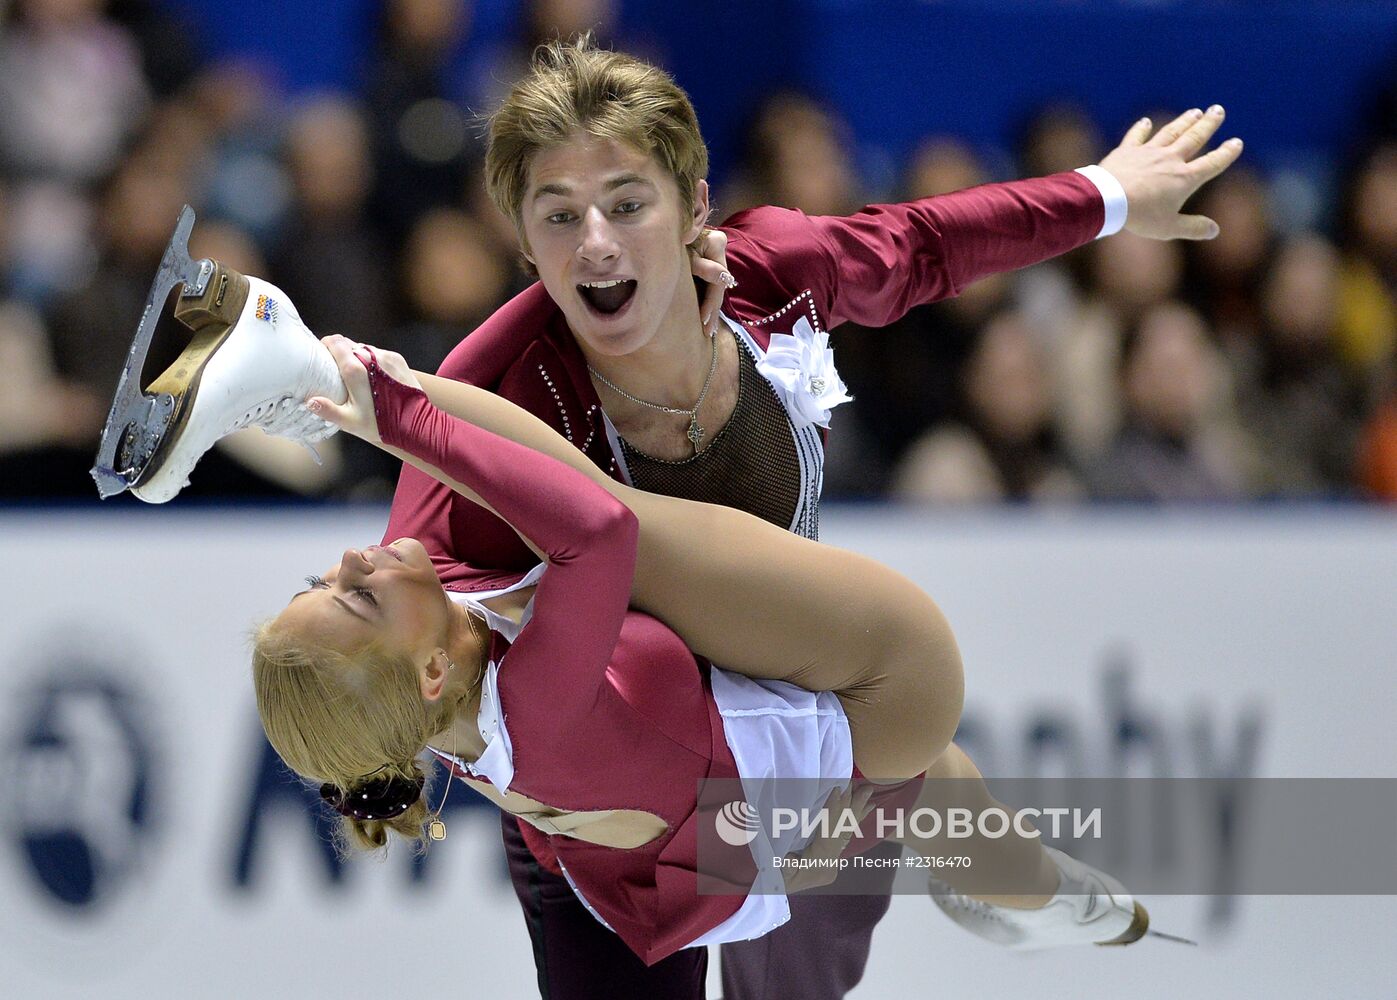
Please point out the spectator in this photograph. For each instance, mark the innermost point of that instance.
(422, 142)
(1306, 335)
(1224, 275)
(38, 411)
(71, 90)
(246, 183)
(940, 165)
(328, 261)
(1367, 321)
(798, 156)
(1130, 275)
(454, 276)
(1377, 470)
(542, 21)
(550, 19)
(1300, 404)
(1168, 449)
(168, 39)
(1004, 446)
(905, 379)
(1059, 137)
(71, 96)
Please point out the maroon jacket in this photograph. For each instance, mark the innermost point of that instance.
(869, 268)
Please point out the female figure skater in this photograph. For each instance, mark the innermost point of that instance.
(537, 700)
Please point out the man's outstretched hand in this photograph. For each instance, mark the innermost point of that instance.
(1160, 172)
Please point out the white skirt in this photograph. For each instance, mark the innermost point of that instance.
(778, 733)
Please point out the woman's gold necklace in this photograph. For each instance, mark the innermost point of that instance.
(436, 829)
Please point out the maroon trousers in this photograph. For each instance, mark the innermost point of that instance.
(820, 954)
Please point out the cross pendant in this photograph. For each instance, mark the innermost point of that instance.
(695, 433)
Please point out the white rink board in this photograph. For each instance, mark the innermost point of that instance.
(1283, 617)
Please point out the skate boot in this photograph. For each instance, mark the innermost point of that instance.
(250, 363)
(1089, 908)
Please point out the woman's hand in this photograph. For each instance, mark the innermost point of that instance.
(708, 259)
(356, 414)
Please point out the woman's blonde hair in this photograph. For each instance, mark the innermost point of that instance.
(577, 89)
(345, 717)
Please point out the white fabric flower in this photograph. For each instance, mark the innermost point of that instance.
(801, 367)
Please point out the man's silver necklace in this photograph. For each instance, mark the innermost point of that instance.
(695, 432)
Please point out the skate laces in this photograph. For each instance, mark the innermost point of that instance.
(286, 417)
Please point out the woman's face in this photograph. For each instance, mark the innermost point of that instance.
(599, 213)
(1170, 377)
(1007, 382)
(387, 595)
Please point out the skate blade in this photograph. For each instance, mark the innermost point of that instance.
(1172, 937)
(138, 422)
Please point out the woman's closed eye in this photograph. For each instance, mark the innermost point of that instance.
(363, 593)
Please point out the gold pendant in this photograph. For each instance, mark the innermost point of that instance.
(436, 830)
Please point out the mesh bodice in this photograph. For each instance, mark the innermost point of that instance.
(751, 463)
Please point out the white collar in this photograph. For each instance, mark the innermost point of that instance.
(496, 762)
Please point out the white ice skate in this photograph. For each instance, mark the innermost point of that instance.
(250, 363)
(1090, 907)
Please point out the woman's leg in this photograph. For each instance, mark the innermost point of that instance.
(763, 602)
(1012, 870)
(760, 601)
(766, 603)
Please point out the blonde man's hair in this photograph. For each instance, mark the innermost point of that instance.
(341, 717)
(575, 89)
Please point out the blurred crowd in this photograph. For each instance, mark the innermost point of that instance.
(1258, 365)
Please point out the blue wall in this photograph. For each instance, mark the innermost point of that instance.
(1297, 77)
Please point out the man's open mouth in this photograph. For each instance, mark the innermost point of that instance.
(607, 297)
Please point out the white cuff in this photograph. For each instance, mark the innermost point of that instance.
(1112, 194)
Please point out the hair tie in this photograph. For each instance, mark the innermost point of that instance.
(380, 799)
